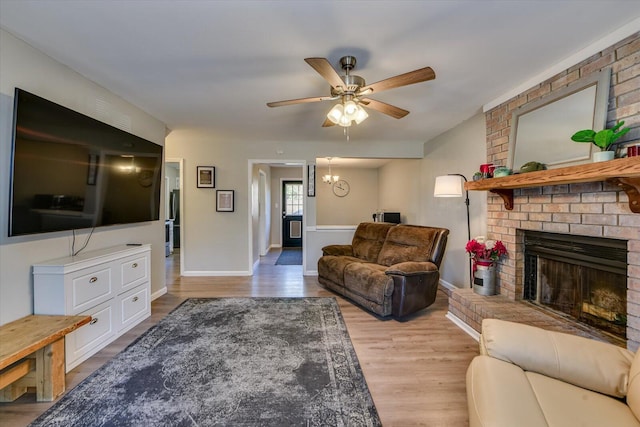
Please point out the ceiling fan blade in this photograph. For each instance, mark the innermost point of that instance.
(324, 68)
(327, 123)
(412, 77)
(300, 101)
(388, 109)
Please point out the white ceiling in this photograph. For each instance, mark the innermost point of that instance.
(213, 65)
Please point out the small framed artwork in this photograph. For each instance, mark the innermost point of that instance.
(206, 177)
(311, 180)
(224, 200)
(92, 172)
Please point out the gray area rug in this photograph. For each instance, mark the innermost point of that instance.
(290, 256)
(229, 362)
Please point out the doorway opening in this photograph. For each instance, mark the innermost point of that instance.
(270, 201)
(174, 211)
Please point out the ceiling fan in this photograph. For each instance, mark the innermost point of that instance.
(353, 92)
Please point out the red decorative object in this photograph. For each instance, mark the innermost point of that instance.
(485, 252)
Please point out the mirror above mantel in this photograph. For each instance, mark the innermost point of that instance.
(541, 130)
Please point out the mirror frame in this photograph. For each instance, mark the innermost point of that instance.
(601, 80)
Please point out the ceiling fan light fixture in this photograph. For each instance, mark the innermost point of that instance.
(336, 113)
(350, 109)
(344, 121)
(344, 114)
(360, 115)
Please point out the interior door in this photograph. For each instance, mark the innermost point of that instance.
(292, 203)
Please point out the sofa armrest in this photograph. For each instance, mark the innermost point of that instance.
(584, 362)
(411, 268)
(338, 250)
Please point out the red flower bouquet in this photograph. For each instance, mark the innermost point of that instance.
(485, 252)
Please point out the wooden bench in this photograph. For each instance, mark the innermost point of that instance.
(32, 355)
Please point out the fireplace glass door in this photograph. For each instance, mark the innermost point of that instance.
(582, 277)
(595, 297)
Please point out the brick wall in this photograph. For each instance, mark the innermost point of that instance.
(593, 209)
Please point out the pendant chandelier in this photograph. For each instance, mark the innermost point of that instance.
(330, 178)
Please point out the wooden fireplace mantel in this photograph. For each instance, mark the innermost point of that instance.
(624, 173)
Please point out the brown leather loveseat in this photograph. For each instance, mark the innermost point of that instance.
(391, 270)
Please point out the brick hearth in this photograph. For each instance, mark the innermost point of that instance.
(591, 209)
(471, 308)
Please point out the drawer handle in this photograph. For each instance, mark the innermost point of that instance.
(93, 321)
(134, 299)
(134, 265)
(93, 279)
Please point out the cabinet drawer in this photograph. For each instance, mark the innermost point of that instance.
(134, 306)
(85, 341)
(90, 288)
(133, 272)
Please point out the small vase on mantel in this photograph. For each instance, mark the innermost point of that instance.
(603, 156)
(484, 277)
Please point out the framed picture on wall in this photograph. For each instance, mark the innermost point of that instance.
(206, 177)
(224, 200)
(311, 180)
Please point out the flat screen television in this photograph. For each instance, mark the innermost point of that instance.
(70, 171)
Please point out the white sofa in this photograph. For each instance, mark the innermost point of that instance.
(529, 377)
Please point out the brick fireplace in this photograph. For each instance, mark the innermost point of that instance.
(596, 209)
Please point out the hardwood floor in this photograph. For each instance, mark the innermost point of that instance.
(415, 369)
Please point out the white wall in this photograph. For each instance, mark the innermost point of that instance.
(356, 207)
(218, 243)
(459, 150)
(25, 67)
(399, 189)
(264, 209)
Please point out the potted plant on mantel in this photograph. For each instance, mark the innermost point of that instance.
(602, 139)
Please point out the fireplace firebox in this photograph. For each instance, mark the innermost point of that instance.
(582, 277)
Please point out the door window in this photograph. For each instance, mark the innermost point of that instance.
(293, 198)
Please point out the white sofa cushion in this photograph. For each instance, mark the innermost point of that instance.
(580, 361)
(565, 405)
(501, 394)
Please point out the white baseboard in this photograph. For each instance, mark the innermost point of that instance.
(466, 328)
(447, 285)
(157, 294)
(215, 273)
(310, 273)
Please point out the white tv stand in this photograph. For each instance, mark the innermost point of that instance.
(112, 285)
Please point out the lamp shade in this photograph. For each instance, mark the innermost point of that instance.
(350, 109)
(361, 115)
(336, 113)
(448, 186)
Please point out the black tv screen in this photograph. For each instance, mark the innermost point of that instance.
(70, 171)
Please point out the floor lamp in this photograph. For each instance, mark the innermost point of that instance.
(451, 185)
